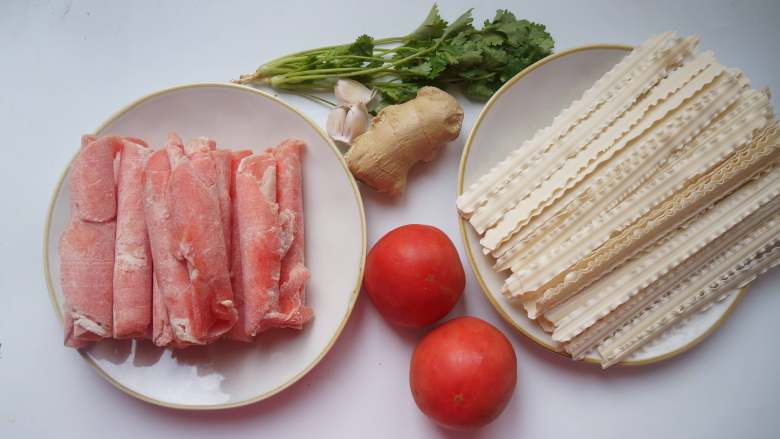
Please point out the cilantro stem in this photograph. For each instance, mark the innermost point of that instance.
(349, 71)
(332, 70)
(302, 55)
(360, 70)
(366, 58)
(394, 49)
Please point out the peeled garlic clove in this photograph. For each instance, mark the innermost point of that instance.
(335, 125)
(357, 121)
(345, 124)
(350, 92)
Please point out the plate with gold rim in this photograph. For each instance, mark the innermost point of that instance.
(523, 105)
(230, 374)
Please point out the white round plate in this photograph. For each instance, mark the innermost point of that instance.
(526, 103)
(229, 374)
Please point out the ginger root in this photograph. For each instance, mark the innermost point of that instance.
(402, 135)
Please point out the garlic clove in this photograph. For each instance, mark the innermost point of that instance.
(345, 124)
(335, 125)
(356, 122)
(350, 92)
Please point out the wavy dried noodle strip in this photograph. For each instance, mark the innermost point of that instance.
(730, 174)
(658, 260)
(721, 138)
(640, 63)
(596, 129)
(588, 339)
(731, 217)
(755, 190)
(717, 142)
(579, 153)
(605, 189)
(641, 159)
(733, 269)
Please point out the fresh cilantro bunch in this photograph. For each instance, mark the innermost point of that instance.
(479, 61)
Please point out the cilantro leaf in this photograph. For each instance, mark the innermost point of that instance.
(490, 39)
(479, 91)
(422, 69)
(363, 46)
(470, 57)
(539, 37)
(461, 24)
(432, 27)
(391, 93)
(494, 58)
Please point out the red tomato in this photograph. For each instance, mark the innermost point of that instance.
(463, 373)
(414, 275)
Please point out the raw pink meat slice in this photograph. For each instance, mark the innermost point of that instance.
(162, 334)
(200, 244)
(238, 332)
(136, 140)
(170, 273)
(86, 271)
(294, 274)
(87, 246)
(198, 152)
(133, 261)
(222, 159)
(213, 165)
(92, 182)
(200, 144)
(196, 314)
(259, 239)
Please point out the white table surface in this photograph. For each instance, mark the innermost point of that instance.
(66, 66)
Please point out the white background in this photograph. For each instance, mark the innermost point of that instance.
(66, 66)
